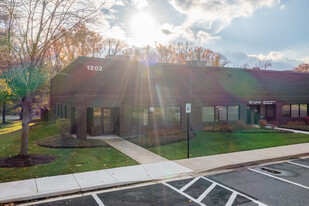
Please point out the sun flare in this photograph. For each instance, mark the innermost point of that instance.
(143, 28)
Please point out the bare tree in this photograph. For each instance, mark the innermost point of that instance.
(263, 64)
(39, 25)
(165, 53)
(114, 46)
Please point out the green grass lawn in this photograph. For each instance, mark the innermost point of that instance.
(211, 143)
(68, 160)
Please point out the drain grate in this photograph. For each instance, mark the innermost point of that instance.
(271, 170)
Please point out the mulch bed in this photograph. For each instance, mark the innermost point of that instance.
(70, 142)
(25, 161)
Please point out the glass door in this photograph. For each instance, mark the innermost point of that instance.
(108, 121)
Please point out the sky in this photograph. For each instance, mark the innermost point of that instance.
(244, 31)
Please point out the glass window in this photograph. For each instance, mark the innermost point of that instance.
(61, 111)
(172, 115)
(303, 110)
(286, 110)
(97, 112)
(208, 114)
(233, 113)
(221, 113)
(58, 110)
(65, 111)
(157, 115)
(145, 114)
(295, 110)
(139, 116)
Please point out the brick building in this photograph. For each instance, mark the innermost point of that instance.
(123, 97)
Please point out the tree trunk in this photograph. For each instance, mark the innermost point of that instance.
(26, 108)
(21, 113)
(3, 112)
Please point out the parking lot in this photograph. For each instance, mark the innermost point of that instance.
(284, 183)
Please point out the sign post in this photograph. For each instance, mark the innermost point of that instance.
(188, 111)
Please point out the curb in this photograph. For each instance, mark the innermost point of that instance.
(252, 163)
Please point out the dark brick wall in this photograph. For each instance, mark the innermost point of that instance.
(127, 84)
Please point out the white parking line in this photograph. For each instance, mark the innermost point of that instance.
(97, 199)
(184, 194)
(284, 180)
(301, 165)
(253, 200)
(189, 184)
(231, 200)
(205, 193)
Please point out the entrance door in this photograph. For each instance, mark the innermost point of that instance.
(270, 113)
(108, 121)
(253, 114)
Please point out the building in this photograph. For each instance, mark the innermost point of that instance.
(119, 96)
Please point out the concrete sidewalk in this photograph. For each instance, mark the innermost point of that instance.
(292, 130)
(78, 182)
(72, 183)
(245, 158)
(139, 154)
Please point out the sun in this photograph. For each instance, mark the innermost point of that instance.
(142, 27)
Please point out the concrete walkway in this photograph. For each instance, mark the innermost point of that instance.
(78, 182)
(139, 154)
(292, 130)
(161, 169)
(245, 158)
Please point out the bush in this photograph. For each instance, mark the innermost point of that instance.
(296, 122)
(240, 125)
(306, 120)
(165, 131)
(218, 127)
(64, 126)
(262, 123)
(273, 124)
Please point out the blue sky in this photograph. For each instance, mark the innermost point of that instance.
(242, 30)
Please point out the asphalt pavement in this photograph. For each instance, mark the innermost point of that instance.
(285, 183)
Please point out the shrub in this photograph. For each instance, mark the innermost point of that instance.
(64, 126)
(306, 120)
(262, 123)
(164, 131)
(273, 124)
(240, 125)
(296, 122)
(218, 127)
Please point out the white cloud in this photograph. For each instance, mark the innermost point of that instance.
(278, 59)
(139, 4)
(205, 37)
(304, 60)
(272, 56)
(215, 15)
(170, 32)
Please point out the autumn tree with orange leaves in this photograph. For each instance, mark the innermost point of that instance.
(302, 68)
(31, 29)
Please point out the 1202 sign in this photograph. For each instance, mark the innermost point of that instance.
(94, 68)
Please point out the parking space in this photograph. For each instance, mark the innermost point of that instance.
(277, 184)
